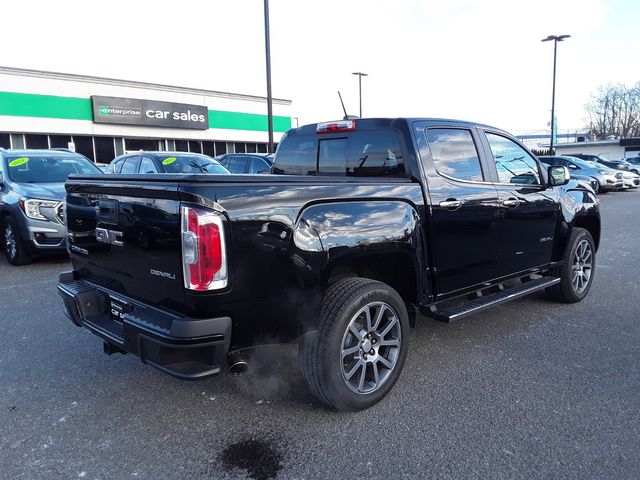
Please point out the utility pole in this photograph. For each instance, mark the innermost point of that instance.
(360, 75)
(556, 39)
(267, 45)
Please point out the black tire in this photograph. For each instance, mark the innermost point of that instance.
(566, 291)
(18, 255)
(323, 364)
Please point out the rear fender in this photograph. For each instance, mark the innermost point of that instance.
(374, 239)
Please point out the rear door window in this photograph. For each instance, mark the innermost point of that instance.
(130, 165)
(259, 165)
(147, 165)
(237, 164)
(454, 154)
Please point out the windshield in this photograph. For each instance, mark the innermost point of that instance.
(47, 168)
(172, 163)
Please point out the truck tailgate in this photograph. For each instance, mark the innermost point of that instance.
(125, 235)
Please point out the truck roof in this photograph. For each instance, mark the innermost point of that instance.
(381, 122)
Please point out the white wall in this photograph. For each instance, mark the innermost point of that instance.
(71, 88)
(611, 151)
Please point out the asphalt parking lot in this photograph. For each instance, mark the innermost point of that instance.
(533, 389)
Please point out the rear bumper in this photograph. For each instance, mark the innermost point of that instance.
(184, 347)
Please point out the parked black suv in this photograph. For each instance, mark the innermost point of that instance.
(247, 162)
(32, 200)
(364, 223)
(615, 164)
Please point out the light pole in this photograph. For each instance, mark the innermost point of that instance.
(556, 39)
(360, 75)
(268, 61)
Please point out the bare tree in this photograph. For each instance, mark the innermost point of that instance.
(614, 110)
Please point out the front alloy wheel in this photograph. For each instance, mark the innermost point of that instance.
(576, 268)
(10, 243)
(14, 249)
(582, 266)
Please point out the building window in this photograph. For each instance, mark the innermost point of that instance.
(182, 146)
(105, 151)
(208, 149)
(119, 144)
(17, 140)
(171, 145)
(5, 140)
(252, 148)
(221, 148)
(84, 146)
(240, 147)
(36, 141)
(262, 148)
(135, 144)
(59, 141)
(194, 146)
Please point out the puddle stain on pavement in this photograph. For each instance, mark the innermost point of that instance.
(261, 460)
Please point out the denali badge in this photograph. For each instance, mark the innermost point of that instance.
(158, 273)
(111, 237)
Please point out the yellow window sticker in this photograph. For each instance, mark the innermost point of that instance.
(169, 160)
(18, 161)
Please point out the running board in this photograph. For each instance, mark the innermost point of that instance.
(493, 300)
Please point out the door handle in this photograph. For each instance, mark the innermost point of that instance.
(451, 204)
(511, 202)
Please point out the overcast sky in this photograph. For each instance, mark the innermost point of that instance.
(479, 60)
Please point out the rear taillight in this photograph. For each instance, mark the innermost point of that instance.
(204, 257)
(336, 127)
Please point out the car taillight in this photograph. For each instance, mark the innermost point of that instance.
(335, 127)
(204, 258)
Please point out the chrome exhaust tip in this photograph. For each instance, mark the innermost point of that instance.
(237, 365)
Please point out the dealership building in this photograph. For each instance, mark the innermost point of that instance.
(102, 117)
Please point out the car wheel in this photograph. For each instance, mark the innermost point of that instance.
(14, 248)
(358, 352)
(576, 268)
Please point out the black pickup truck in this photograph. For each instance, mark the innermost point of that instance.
(362, 225)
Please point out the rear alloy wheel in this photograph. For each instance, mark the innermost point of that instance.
(576, 268)
(12, 242)
(370, 347)
(357, 355)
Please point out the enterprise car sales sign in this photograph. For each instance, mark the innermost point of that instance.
(134, 111)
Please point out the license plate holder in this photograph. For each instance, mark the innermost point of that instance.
(118, 308)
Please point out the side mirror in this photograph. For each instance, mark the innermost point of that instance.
(558, 175)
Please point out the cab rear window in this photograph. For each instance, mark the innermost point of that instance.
(360, 154)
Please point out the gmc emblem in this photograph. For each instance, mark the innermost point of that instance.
(111, 237)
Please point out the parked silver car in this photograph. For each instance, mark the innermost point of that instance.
(32, 200)
(631, 180)
(608, 178)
